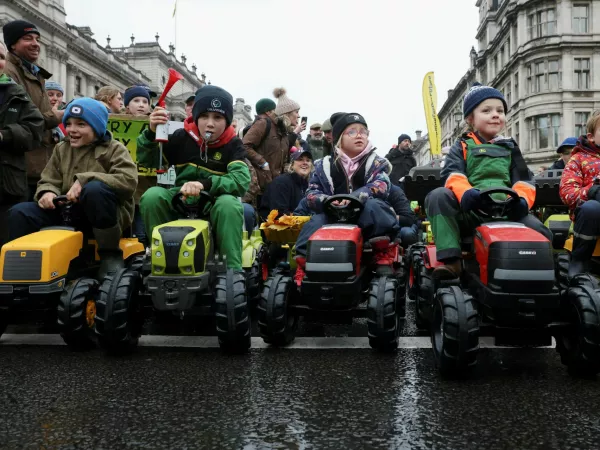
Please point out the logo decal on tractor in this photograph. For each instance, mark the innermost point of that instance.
(23, 254)
(527, 252)
(327, 249)
(53, 274)
(217, 156)
(216, 103)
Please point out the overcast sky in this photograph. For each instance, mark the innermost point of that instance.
(359, 56)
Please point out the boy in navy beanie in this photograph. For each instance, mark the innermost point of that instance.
(207, 156)
(137, 100)
(96, 173)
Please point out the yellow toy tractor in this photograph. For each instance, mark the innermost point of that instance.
(51, 275)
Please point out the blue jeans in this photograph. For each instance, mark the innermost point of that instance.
(249, 217)
(409, 235)
(377, 219)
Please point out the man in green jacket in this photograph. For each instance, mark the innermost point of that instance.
(21, 129)
(207, 156)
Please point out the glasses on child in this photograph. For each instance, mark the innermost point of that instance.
(353, 132)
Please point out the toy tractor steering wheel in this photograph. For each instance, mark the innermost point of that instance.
(191, 210)
(495, 208)
(346, 213)
(64, 206)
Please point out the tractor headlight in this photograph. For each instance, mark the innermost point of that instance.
(156, 242)
(188, 269)
(186, 254)
(158, 254)
(190, 243)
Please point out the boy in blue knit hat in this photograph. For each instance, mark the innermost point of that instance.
(96, 173)
(481, 158)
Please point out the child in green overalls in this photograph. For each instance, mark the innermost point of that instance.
(480, 159)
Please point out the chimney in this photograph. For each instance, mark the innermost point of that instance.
(418, 133)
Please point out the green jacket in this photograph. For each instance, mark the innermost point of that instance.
(108, 162)
(22, 129)
(220, 168)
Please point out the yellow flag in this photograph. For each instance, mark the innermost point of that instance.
(434, 130)
(175, 8)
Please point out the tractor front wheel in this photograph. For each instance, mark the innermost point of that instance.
(232, 312)
(76, 314)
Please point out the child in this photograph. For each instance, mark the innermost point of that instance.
(55, 94)
(357, 170)
(21, 129)
(479, 159)
(95, 172)
(579, 192)
(137, 101)
(207, 157)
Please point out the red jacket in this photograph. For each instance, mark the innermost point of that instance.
(580, 171)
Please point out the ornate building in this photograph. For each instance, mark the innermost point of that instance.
(83, 66)
(542, 54)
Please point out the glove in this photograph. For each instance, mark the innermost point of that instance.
(520, 210)
(594, 193)
(471, 200)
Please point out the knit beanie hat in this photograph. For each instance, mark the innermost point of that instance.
(341, 122)
(403, 137)
(54, 86)
(326, 126)
(212, 98)
(15, 30)
(265, 105)
(284, 103)
(91, 111)
(136, 91)
(479, 93)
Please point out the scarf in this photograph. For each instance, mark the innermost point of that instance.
(350, 165)
(192, 129)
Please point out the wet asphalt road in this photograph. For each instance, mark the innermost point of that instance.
(160, 398)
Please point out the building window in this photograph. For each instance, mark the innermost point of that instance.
(580, 19)
(539, 84)
(96, 89)
(507, 94)
(78, 84)
(164, 80)
(581, 119)
(508, 50)
(517, 134)
(516, 86)
(541, 23)
(554, 74)
(582, 73)
(544, 131)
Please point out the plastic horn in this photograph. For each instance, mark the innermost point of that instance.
(162, 134)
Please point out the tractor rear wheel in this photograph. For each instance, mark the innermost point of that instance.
(382, 315)
(76, 314)
(277, 322)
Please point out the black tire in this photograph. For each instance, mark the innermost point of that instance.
(253, 282)
(119, 312)
(232, 312)
(579, 344)
(382, 315)
(413, 259)
(136, 263)
(454, 332)
(562, 272)
(424, 296)
(277, 323)
(76, 314)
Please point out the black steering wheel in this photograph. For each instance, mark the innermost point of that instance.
(346, 213)
(495, 208)
(192, 210)
(64, 206)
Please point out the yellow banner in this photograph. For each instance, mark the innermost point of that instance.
(434, 130)
(126, 129)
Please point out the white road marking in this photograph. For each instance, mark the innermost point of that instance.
(312, 343)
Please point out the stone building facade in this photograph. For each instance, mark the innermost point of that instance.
(542, 54)
(83, 66)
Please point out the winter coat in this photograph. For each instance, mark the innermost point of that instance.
(35, 87)
(22, 128)
(254, 188)
(283, 194)
(274, 149)
(318, 148)
(559, 164)
(473, 163)
(402, 161)
(329, 178)
(580, 171)
(221, 168)
(108, 162)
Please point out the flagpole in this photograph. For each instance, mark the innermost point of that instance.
(175, 25)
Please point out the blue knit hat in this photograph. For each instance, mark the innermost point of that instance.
(136, 91)
(52, 85)
(479, 93)
(568, 142)
(91, 111)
